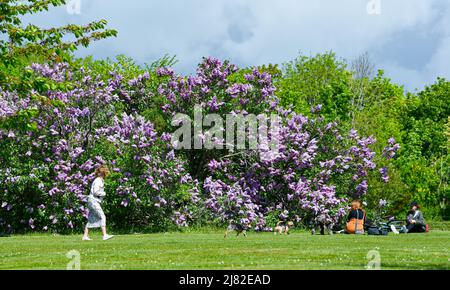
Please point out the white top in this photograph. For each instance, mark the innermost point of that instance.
(98, 188)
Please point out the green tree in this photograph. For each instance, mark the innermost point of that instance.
(377, 112)
(426, 166)
(21, 44)
(322, 79)
(447, 133)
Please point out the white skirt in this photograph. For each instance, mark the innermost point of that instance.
(96, 216)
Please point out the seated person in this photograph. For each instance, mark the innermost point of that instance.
(356, 219)
(415, 223)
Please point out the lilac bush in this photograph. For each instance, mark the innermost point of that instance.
(150, 181)
(315, 174)
(54, 153)
(80, 121)
(317, 169)
(45, 180)
(216, 88)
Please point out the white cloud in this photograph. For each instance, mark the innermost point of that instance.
(440, 62)
(251, 32)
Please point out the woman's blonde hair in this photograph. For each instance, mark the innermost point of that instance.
(356, 204)
(101, 171)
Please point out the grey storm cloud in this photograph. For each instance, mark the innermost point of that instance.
(409, 39)
(240, 22)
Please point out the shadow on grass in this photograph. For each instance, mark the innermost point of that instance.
(420, 266)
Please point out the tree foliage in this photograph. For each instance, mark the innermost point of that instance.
(19, 43)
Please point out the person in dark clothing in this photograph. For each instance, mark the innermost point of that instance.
(415, 223)
(356, 214)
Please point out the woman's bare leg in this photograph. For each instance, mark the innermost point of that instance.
(86, 232)
(104, 231)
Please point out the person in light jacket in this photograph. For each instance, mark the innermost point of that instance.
(96, 217)
(415, 223)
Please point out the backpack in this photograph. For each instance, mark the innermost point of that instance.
(356, 225)
(377, 231)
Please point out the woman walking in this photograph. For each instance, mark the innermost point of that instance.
(96, 217)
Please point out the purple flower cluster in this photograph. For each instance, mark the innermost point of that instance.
(155, 175)
(391, 149)
(11, 104)
(210, 88)
(384, 174)
(231, 202)
(58, 72)
(382, 203)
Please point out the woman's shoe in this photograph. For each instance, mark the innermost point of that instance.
(394, 230)
(107, 237)
(86, 239)
(404, 230)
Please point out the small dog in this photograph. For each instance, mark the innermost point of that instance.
(233, 226)
(323, 223)
(283, 227)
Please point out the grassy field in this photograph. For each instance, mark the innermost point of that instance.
(209, 250)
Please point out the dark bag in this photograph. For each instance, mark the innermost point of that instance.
(376, 231)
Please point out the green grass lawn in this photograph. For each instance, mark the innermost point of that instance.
(202, 250)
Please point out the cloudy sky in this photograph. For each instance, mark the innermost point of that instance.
(409, 39)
